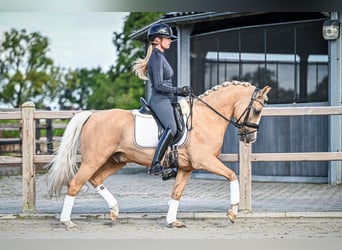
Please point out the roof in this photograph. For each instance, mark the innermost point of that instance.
(220, 18)
(173, 18)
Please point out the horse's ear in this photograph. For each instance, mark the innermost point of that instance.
(263, 92)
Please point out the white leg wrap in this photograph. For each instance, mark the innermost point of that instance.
(234, 192)
(67, 207)
(172, 213)
(107, 195)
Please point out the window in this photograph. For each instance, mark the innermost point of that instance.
(291, 57)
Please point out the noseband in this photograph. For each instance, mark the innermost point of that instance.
(242, 122)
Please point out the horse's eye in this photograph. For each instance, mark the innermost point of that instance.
(256, 111)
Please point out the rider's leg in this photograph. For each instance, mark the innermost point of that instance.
(163, 144)
(164, 110)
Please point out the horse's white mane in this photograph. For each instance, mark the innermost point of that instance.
(225, 84)
(184, 103)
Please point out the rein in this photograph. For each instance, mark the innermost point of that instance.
(236, 123)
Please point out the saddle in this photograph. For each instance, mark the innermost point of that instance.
(148, 129)
(145, 109)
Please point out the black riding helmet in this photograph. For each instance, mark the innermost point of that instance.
(160, 29)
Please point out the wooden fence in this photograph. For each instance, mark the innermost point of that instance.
(245, 157)
(13, 144)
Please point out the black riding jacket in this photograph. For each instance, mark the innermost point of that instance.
(160, 73)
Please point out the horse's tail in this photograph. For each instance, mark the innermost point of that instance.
(64, 166)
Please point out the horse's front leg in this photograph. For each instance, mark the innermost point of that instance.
(178, 188)
(214, 165)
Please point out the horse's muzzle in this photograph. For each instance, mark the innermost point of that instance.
(248, 137)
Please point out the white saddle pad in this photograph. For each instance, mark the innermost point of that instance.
(146, 131)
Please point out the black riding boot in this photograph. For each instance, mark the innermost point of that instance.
(163, 143)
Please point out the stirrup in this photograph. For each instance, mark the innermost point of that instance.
(155, 169)
(168, 173)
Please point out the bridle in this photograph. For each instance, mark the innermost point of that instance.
(242, 122)
(245, 116)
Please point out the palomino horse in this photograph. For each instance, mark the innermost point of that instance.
(106, 143)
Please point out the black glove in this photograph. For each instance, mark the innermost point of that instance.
(184, 91)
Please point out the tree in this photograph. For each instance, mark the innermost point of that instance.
(129, 50)
(26, 72)
(84, 89)
(128, 87)
(117, 88)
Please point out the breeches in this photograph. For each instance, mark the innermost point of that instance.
(162, 107)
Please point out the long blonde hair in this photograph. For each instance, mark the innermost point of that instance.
(140, 65)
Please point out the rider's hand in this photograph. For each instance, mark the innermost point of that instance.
(184, 91)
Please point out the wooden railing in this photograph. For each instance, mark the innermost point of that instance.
(246, 157)
(28, 115)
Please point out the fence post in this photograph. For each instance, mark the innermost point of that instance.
(28, 151)
(49, 134)
(245, 177)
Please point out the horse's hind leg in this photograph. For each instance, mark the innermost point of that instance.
(97, 181)
(82, 176)
(178, 188)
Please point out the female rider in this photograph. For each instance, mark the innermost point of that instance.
(157, 69)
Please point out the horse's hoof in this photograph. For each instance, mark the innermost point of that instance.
(114, 213)
(231, 215)
(113, 216)
(176, 224)
(69, 224)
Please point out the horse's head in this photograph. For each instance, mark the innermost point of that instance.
(248, 113)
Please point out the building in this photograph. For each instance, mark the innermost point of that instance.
(284, 50)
